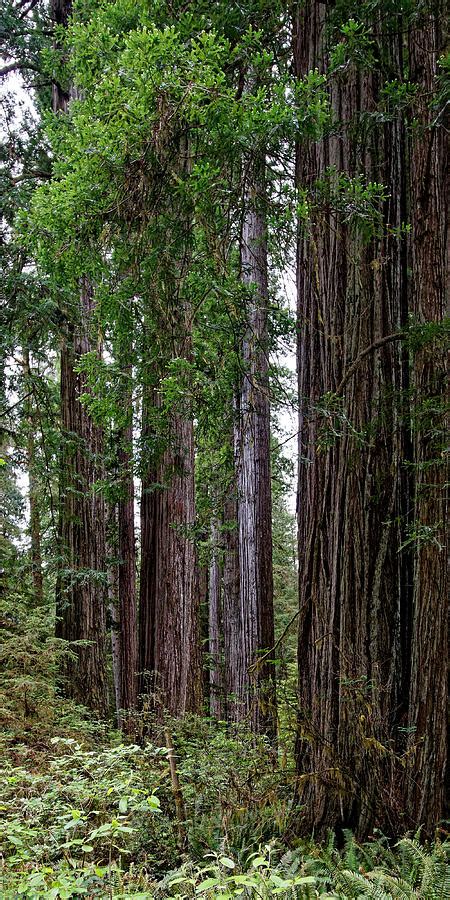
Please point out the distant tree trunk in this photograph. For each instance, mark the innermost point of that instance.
(113, 604)
(255, 681)
(231, 609)
(81, 590)
(33, 485)
(216, 685)
(354, 582)
(127, 551)
(428, 700)
(203, 602)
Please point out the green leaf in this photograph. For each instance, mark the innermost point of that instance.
(259, 861)
(205, 885)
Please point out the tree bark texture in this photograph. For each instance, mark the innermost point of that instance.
(429, 690)
(353, 496)
(169, 638)
(254, 682)
(82, 582)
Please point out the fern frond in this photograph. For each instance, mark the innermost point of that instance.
(399, 888)
(435, 881)
(361, 886)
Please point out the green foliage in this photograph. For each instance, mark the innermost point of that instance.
(85, 813)
(97, 818)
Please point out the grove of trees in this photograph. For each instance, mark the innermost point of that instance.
(167, 167)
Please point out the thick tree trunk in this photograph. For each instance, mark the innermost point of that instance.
(82, 582)
(354, 583)
(170, 659)
(428, 700)
(254, 680)
(81, 588)
(169, 638)
(33, 485)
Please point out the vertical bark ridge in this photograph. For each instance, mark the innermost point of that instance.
(429, 689)
(81, 594)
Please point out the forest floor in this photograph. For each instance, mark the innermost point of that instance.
(87, 813)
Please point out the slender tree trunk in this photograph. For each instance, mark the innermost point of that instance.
(254, 681)
(216, 685)
(428, 699)
(354, 583)
(231, 608)
(113, 605)
(127, 556)
(33, 486)
(203, 602)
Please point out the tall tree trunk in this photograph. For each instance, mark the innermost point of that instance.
(127, 554)
(33, 484)
(428, 700)
(169, 597)
(81, 587)
(255, 680)
(354, 583)
(82, 582)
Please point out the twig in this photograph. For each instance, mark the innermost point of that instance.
(177, 793)
(276, 644)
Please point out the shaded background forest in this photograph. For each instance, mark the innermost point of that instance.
(173, 161)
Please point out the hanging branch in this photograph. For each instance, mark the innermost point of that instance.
(396, 336)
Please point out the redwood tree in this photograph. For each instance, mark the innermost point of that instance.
(81, 588)
(372, 650)
(252, 672)
(169, 641)
(354, 579)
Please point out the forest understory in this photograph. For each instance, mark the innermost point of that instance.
(202, 693)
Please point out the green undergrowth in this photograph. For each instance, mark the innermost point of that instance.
(94, 817)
